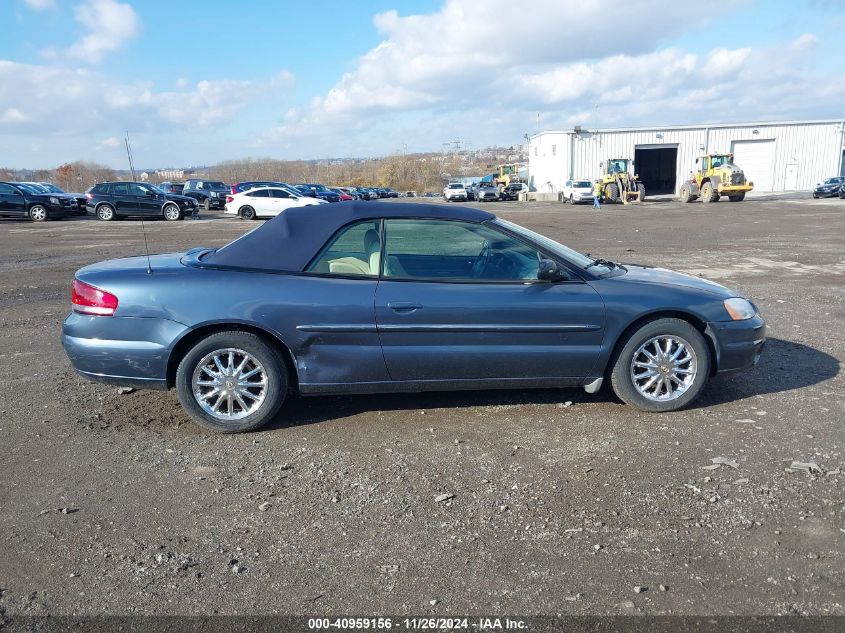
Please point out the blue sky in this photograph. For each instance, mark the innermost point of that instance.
(197, 82)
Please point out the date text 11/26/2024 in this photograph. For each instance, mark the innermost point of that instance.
(418, 624)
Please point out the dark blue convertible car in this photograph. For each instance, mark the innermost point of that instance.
(364, 297)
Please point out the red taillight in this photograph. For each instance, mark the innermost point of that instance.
(229, 199)
(90, 300)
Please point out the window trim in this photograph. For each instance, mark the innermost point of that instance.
(331, 240)
(576, 278)
(576, 275)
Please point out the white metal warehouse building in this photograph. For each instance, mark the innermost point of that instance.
(775, 156)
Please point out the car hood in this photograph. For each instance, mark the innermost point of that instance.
(175, 197)
(664, 276)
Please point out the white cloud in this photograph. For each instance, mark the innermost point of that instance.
(40, 5)
(805, 42)
(109, 25)
(450, 74)
(53, 106)
(110, 143)
(11, 116)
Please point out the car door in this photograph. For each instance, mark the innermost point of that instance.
(124, 202)
(338, 347)
(12, 201)
(149, 202)
(461, 301)
(259, 199)
(281, 200)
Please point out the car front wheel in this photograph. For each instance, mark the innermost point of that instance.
(662, 366)
(231, 382)
(38, 213)
(172, 212)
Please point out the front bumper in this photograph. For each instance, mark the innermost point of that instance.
(826, 193)
(128, 351)
(738, 344)
(726, 189)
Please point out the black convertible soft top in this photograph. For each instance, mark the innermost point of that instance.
(290, 240)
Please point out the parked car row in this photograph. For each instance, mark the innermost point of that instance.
(483, 191)
(33, 200)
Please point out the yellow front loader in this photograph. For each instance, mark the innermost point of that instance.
(715, 176)
(618, 183)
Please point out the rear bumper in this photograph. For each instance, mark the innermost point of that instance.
(121, 350)
(738, 344)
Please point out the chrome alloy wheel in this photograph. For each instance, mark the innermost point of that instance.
(664, 368)
(229, 384)
(171, 212)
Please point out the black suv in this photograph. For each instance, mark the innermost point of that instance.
(111, 200)
(18, 200)
(209, 193)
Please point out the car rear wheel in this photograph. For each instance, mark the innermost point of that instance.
(247, 213)
(172, 212)
(38, 213)
(105, 212)
(663, 366)
(207, 204)
(231, 382)
(571, 199)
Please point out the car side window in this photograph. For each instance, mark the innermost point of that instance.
(455, 251)
(259, 193)
(120, 190)
(137, 190)
(355, 250)
(7, 190)
(279, 193)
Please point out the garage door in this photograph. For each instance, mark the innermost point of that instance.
(756, 159)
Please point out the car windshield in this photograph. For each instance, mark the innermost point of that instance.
(556, 248)
(51, 187)
(157, 190)
(833, 181)
(582, 184)
(31, 188)
(214, 186)
(456, 185)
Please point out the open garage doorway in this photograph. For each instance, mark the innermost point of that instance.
(657, 166)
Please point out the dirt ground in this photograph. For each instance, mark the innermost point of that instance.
(563, 503)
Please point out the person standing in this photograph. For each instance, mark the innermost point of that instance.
(597, 195)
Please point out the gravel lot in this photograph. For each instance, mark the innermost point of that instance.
(560, 501)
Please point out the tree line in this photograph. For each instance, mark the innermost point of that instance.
(412, 172)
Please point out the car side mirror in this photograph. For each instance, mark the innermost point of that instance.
(548, 270)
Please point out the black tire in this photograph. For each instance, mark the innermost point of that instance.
(172, 212)
(247, 213)
(571, 199)
(686, 193)
(621, 363)
(709, 193)
(106, 213)
(269, 357)
(38, 213)
(207, 204)
(611, 193)
(640, 191)
(737, 198)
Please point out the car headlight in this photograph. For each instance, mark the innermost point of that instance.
(54, 200)
(739, 309)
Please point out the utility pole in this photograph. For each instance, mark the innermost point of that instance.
(129, 155)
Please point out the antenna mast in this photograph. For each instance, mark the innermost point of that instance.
(129, 155)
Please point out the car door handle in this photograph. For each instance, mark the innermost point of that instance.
(404, 308)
